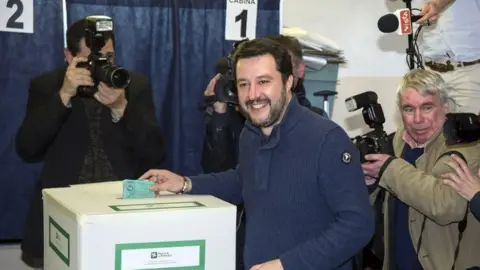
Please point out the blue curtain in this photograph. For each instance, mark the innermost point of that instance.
(176, 43)
(23, 56)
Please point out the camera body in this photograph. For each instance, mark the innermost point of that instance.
(225, 89)
(98, 30)
(373, 143)
(376, 141)
(461, 128)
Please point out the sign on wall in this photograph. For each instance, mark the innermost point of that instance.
(16, 16)
(241, 19)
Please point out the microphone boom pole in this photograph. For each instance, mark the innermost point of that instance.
(410, 49)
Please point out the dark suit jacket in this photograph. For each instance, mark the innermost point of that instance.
(59, 136)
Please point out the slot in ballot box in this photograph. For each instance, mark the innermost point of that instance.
(89, 227)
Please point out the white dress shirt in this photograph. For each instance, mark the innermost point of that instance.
(455, 36)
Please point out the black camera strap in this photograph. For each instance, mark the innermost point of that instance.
(462, 225)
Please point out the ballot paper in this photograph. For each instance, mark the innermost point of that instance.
(137, 189)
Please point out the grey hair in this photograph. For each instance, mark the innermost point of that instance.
(426, 82)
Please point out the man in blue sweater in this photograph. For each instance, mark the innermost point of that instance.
(299, 175)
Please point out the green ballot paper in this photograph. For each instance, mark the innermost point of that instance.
(137, 189)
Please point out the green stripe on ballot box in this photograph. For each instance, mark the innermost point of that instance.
(153, 206)
(59, 240)
(178, 255)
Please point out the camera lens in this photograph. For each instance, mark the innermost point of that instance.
(114, 76)
(119, 77)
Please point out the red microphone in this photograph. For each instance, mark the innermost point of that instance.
(399, 21)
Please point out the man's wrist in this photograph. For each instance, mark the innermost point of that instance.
(119, 110)
(187, 185)
(220, 107)
(384, 167)
(66, 98)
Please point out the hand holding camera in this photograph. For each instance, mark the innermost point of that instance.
(221, 90)
(371, 168)
(376, 141)
(111, 97)
(97, 76)
(74, 77)
(218, 106)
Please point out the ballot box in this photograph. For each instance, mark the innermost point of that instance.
(89, 227)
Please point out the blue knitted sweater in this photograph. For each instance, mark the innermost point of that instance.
(306, 202)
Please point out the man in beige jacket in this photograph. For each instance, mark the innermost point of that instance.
(427, 225)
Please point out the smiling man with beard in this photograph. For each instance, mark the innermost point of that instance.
(258, 106)
(299, 175)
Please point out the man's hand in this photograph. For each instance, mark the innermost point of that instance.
(219, 107)
(112, 98)
(431, 10)
(372, 167)
(429, 13)
(271, 265)
(370, 180)
(74, 77)
(462, 179)
(164, 181)
(210, 91)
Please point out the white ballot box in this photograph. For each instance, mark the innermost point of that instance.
(89, 227)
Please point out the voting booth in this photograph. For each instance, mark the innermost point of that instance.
(175, 43)
(89, 227)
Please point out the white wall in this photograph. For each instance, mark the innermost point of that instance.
(376, 61)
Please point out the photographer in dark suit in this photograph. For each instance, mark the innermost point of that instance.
(111, 135)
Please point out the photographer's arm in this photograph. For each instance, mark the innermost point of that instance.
(217, 142)
(45, 115)
(226, 185)
(424, 192)
(220, 143)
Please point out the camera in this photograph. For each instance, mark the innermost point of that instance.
(460, 128)
(225, 89)
(98, 30)
(376, 141)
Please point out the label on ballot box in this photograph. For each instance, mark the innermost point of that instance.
(161, 255)
(153, 206)
(137, 189)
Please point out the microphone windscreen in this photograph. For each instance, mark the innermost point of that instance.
(388, 23)
(222, 65)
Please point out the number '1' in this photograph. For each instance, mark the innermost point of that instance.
(243, 26)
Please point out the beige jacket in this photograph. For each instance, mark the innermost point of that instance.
(422, 189)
